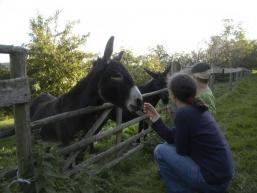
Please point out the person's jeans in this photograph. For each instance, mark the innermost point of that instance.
(181, 174)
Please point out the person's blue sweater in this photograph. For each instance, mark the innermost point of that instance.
(198, 136)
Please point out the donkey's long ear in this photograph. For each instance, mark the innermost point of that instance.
(167, 70)
(108, 49)
(152, 74)
(119, 56)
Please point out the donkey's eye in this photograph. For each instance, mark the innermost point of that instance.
(117, 77)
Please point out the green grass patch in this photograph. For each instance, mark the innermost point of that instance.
(236, 113)
(138, 174)
(7, 148)
(219, 89)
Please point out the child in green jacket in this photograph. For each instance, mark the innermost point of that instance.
(201, 73)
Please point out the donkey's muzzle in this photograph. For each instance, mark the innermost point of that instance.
(135, 100)
(137, 106)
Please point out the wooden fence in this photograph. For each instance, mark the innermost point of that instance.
(229, 75)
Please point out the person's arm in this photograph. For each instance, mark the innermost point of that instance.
(163, 131)
(158, 125)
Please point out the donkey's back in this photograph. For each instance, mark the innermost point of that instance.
(39, 103)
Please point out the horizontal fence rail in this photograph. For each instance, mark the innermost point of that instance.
(108, 152)
(86, 110)
(14, 91)
(155, 92)
(61, 116)
(9, 49)
(68, 114)
(119, 159)
(87, 141)
(7, 131)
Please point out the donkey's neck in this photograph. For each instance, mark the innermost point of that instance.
(149, 87)
(84, 94)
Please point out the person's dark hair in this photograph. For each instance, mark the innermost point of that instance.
(183, 87)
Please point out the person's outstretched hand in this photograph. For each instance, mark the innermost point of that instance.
(151, 112)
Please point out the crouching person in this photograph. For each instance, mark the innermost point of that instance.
(196, 157)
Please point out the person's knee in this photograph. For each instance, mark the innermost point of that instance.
(162, 150)
(157, 150)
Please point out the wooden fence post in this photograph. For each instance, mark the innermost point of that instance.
(22, 124)
(230, 80)
(118, 122)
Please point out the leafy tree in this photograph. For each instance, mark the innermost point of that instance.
(198, 56)
(133, 64)
(163, 56)
(55, 61)
(251, 58)
(231, 48)
(155, 61)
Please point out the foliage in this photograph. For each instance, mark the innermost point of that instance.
(4, 73)
(5, 111)
(231, 48)
(156, 61)
(55, 63)
(133, 64)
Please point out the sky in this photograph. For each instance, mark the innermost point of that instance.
(138, 25)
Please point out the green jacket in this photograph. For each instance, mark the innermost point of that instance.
(209, 99)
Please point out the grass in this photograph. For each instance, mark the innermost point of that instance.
(236, 114)
(7, 148)
(138, 174)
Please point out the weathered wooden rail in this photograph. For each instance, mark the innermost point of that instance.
(230, 75)
(9, 130)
